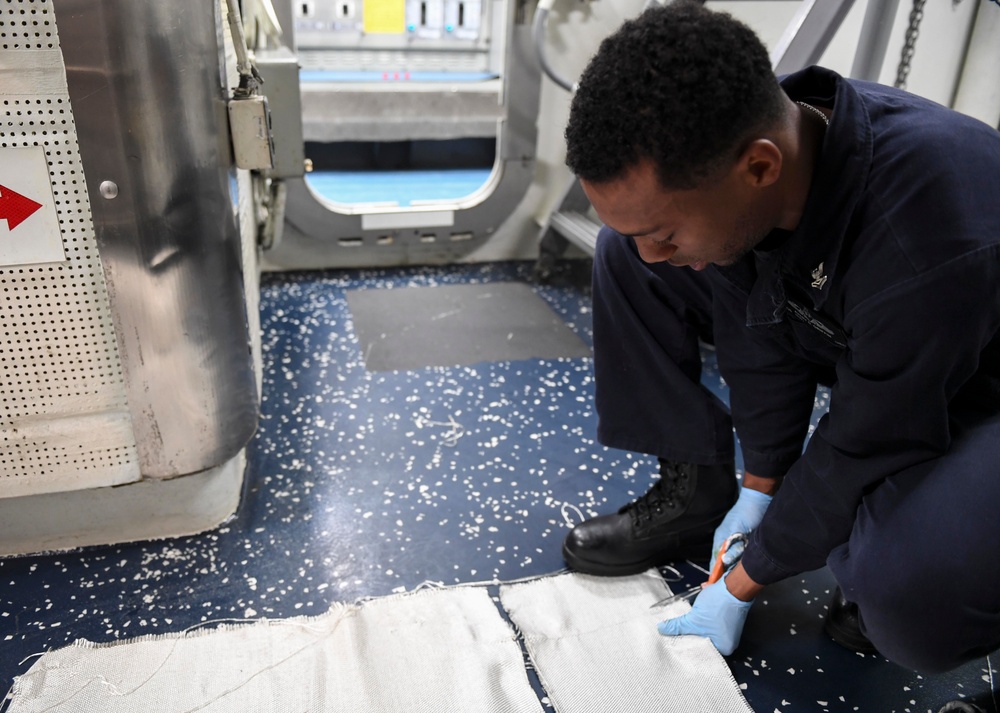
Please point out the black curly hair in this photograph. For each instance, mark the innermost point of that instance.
(681, 85)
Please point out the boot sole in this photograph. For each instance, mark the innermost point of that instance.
(601, 569)
(850, 638)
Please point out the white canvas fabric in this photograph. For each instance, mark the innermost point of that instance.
(594, 643)
(433, 650)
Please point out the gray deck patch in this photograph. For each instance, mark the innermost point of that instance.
(451, 325)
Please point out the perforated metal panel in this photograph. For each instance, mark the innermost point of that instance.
(64, 420)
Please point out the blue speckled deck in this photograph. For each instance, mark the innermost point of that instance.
(361, 484)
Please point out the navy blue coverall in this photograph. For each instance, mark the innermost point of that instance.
(888, 291)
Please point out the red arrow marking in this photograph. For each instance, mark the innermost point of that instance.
(14, 207)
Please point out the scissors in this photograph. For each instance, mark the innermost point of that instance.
(716, 574)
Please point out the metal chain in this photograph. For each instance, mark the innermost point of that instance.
(909, 44)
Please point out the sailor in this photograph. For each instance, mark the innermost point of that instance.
(818, 231)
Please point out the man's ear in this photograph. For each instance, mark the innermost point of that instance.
(760, 163)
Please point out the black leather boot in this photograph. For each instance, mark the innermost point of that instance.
(843, 625)
(675, 520)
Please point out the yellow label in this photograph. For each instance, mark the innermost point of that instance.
(385, 17)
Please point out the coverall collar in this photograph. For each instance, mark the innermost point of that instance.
(808, 258)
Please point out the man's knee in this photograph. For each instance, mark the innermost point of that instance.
(914, 562)
(926, 639)
(921, 619)
(907, 633)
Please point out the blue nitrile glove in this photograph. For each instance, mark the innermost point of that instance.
(716, 614)
(743, 517)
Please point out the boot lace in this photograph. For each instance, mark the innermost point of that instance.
(661, 497)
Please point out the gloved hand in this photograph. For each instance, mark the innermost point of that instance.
(716, 614)
(743, 517)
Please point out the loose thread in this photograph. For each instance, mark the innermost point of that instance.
(698, 567)
(566, 518)
(448, 438)
(5, 703)
(676, 572)
(989, 667)
(31, 656)
(273, 666)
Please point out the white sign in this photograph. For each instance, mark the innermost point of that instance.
(29, 226)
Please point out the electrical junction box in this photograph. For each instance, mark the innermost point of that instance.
(250, 126)
(279, 68)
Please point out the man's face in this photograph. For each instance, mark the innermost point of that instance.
(717, 223)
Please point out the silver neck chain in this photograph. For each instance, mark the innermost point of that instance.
(815, 111)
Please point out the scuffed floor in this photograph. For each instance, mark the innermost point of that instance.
(362, 484)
